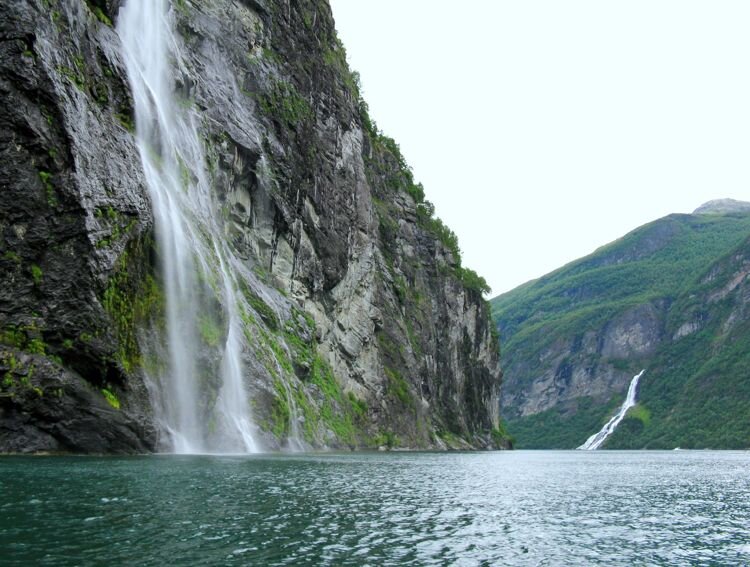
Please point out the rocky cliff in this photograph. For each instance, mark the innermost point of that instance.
(361, 328)
(670, 298)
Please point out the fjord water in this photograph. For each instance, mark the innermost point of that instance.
(502, 508)
(199, 286)
(597, 439)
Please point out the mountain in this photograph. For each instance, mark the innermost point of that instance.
(671, 298)
(207, 244)
(722, 206)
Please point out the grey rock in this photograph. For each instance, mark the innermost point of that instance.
(313, 205)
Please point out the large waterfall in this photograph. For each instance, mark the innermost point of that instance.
(597, 439)
(200, 397)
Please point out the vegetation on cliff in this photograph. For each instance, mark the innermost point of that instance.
(670, 297)
(361, 327)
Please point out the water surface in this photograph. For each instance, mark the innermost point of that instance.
(516, 508)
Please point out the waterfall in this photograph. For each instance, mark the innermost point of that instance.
(596, 440)
(294, 441)
(201, 401)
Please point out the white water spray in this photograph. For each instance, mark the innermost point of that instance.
(201, 402)
(596, 440)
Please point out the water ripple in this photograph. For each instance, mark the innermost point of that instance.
(521, 508)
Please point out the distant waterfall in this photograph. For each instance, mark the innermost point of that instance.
(596, 440)
(201, 400)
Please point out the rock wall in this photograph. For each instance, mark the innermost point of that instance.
(594, 364)
(364, 325)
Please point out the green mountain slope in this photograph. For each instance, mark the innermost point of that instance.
(671, 297)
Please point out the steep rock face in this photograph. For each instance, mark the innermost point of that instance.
(580, 366)
(667, 298)
(363, 328)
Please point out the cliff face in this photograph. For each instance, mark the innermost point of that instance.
(668, 298)
(363, 329)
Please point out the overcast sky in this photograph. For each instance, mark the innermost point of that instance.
(543, 129)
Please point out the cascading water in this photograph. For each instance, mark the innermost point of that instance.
(201, 399)
(596, 440)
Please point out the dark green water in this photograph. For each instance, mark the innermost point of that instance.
(514, 508)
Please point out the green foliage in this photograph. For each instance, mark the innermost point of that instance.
(75, 75)
(341, 414)
(386, 439)
(126, 120)
(303, 353)
(36, 346)
(36, 274)
(279, 353)
(358, 406)
(280, 411)
(25, 338)
(694, 392)
(335, 58)
(266, 313)
(99, 13)
(111, 398)
(641, 413)
(397, 387)
(322, 376)
(501, 437)
(399, 177)
(14, 337)
(130, 299)
(46, 178)
(283, 101)
(210, 331)
(560, 429)
(11, 256)
(472, 280)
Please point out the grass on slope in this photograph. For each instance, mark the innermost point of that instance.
(696, 392)
(615, 276)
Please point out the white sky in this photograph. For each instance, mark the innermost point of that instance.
(543, 129)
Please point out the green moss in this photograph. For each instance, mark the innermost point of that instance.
(397, 387)
(300, 324)
(344, 415)
(265, 312)
(36, 346)
(358, 406)
(11, 256)
(74, 76)
(210, 331)
(126, 121)
(102, 17)
(279, 353)
(450, 438)
(111, 398)
(181, 6)
(335, 58)
(283, 102)
(500, 436)
(130, 299)
(280, 411)
(385, 439)
(322, 376)
(302, 352)
(46, 178)
(36, 274)
(13, 337)
(23, 338)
